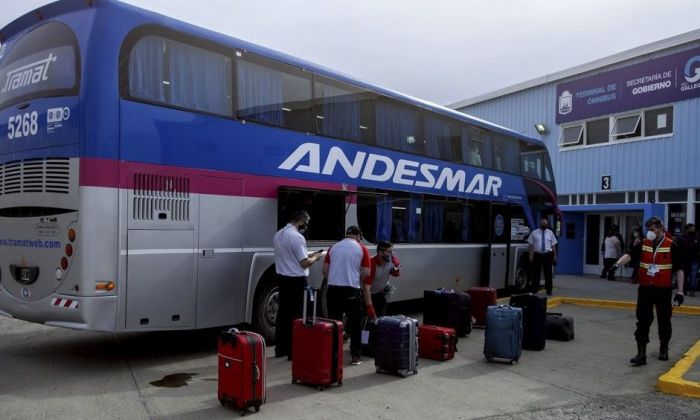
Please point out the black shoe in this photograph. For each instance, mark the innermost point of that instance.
(639, 360)
(663, 354)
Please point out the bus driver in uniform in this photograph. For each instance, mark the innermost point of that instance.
(543, 254)
(292, 263)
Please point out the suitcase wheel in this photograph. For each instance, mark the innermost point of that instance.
(488, 358)
(257, 408)
(514, 362)
(379, 370)
(321, 387)
(294, 381)
(340, 383)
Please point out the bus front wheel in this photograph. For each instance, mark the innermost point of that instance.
(266, 306)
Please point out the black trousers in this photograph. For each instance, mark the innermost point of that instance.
(347, 300)
(379, 303)
(541, 262)
(291, 301)
(607, 264)
(647, 298)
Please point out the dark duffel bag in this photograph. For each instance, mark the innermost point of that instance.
(559, 327)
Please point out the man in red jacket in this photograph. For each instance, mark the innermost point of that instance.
(660, 259)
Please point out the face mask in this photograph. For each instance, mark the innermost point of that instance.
(386, 258)
(543, 227)
(635, 234)
(651, 235)
(302, 229)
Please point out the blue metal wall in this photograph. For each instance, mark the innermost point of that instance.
(661, 163)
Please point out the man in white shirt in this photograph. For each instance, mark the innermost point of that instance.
(543, 254)
(345, 266)
(292, 262)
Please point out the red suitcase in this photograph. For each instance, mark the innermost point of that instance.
(242, 363)
(317, 349)
(436, 343)
(482, 298)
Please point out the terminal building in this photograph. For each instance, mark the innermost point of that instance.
(623, 134)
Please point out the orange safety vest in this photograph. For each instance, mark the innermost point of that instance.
(659, 256)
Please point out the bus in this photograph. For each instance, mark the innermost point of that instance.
(146, 164)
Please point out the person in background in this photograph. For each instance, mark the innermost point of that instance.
(292, 262)
(611, 252)
(635, 253)
(346, 265)
(376, 286)
(690, 247)
(542, 254)
(660, 259)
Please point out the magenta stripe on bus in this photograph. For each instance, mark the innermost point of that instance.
(95, 172)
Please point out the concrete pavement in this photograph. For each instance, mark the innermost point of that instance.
(58, 373)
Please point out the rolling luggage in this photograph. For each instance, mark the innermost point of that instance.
(241, 369)
(534, 318)
(482, 298)
(559, 327)
(503, 337)
(436, 343)
(317, 348)
(396, 345)
(448, 308)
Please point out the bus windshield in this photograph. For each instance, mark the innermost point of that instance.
(42, 63)
(536, 164)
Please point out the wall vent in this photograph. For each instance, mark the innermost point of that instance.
(50, 175)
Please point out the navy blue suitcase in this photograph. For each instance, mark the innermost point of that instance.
(534, 319)
(448, 308)
(396, 345)
(504, 333)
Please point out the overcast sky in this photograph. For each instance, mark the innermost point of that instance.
(440, 50)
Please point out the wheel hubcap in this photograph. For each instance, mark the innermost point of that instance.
(272, 303)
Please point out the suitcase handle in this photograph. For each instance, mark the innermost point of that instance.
(310, 293)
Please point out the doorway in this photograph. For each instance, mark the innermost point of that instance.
(597, 226)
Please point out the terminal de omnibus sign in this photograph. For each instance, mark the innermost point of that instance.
(657, 81)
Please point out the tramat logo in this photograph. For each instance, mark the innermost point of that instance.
(373, 167)
(29, 74)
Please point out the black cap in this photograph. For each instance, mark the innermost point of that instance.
(353, 230)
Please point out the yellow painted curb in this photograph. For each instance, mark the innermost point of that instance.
(672, 382)
(604, 303)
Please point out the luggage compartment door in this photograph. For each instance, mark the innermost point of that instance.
(499, 247)
(160, 290)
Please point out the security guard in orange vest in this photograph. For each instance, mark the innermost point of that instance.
(660, 259)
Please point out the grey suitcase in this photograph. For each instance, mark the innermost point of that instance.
(396, 345)
(504, 333)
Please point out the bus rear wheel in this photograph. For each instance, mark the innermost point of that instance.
(266, 306)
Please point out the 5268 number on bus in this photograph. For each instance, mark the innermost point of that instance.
(23, 125)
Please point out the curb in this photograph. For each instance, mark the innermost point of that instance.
(672, 382)
(615, 304)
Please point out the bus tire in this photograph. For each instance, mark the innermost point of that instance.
(265, 306)
(521, 275)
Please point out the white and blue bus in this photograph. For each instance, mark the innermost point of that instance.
(146, 163)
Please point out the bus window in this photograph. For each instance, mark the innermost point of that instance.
(180, 75)
(476, 147)
(441, 137)
(343, 111)
(397, 127)
(506, 155)
(476, 215)
(536, 163)
(273, 93)
(43, 63)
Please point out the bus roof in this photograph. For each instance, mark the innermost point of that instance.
(65, 6)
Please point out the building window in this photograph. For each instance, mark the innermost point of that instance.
(571, 135)
(627, 126)
(658, 121)
(597, 131)
(610, 198)
(563, 200)
(669, 196)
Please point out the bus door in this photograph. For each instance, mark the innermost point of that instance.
(499, 245)
(222, 286)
